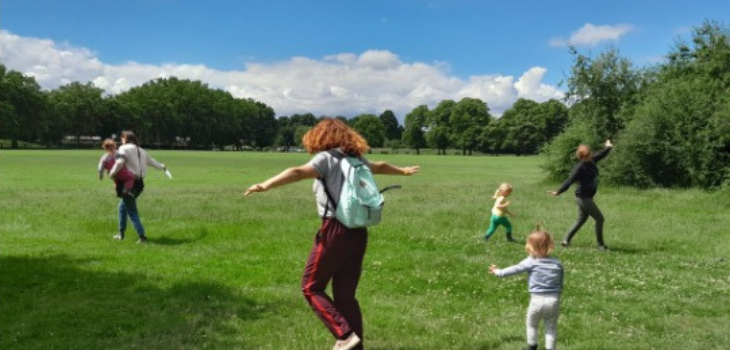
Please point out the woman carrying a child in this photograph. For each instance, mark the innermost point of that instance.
(134, 159)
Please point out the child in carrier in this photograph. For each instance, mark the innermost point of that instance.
(124, 179)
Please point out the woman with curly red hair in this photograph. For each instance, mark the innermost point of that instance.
(338, 251)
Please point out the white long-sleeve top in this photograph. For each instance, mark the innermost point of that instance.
(136, 160)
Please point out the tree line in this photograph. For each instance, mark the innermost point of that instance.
(670, 121)
(179, 113)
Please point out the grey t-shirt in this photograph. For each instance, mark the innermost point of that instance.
(545, 274)
(328, 167)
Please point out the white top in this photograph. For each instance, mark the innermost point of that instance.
(496, 210)
(136, 160)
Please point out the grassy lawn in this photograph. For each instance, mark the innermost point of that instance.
(222, 272)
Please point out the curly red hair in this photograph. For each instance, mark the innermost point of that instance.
(332, 133)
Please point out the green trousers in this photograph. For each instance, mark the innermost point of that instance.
(495, 222)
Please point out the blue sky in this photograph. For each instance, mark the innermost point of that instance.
(339, 57)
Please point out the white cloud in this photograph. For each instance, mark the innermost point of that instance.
(530, 86)
(592, 35)
(343, 84)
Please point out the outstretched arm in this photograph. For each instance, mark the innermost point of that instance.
(522, 267)
(564, 187)
(388, 169)
(602, 154)
(153, 162)
(286, 177)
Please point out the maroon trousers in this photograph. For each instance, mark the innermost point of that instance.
(337, 255)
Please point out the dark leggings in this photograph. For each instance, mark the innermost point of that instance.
(587, 207)
(336, 257)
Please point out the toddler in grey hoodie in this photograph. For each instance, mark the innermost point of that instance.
(544, 282)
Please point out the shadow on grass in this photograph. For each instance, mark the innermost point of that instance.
(612, 249)
(53, 303)
(498, 343)
(165, 240)
(626, 250)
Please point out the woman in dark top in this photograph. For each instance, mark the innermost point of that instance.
(585, 173)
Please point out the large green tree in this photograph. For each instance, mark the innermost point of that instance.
(23, 108)
(393, 130)
(438, 123)
(371, 128)
(413, 134)
(528, 125)
(468, 118)
(80, 107)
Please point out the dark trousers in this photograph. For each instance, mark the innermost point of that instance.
(587, 207)
(337, 255)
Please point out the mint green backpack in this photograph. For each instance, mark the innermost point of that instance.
(361, 203)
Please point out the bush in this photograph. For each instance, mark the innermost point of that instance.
(679, 138)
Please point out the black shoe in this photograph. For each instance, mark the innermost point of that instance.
(142, 240)
(510, 239)
(564, 244)
(531, 347)
(602, 248)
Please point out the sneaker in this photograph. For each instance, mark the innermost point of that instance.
(142, 240)
(348, 343)
(119, 237)
(564, 244)
(510, 239)
(486, 238)
(602, 248)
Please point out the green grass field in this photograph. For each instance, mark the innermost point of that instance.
(222, 271)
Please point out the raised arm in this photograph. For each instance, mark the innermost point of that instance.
(385, 168)
(286, 177)
(602, 154)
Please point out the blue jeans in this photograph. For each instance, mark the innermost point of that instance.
(128, 206)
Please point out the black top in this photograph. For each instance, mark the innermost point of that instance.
(586, 174)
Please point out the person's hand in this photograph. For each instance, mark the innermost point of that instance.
(254, 188)
(552, 193)
(609, 144)
(493, 269)
(410, 170)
